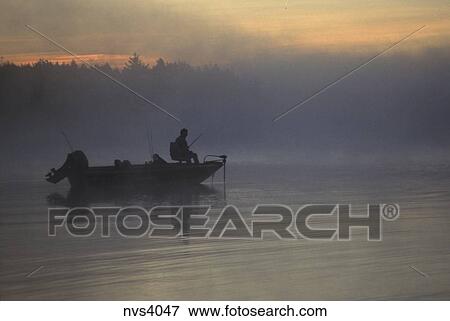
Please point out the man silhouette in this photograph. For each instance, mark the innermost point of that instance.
(183, 152)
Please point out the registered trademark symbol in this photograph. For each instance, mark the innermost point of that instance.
(390, 211)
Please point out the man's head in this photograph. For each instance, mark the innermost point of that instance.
(184, 132)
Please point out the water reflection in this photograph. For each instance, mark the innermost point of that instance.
(138, 196)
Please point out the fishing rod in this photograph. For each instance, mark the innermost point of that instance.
(195, 139)
(67, 141)
(150, 142)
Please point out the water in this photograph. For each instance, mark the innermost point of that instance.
(412, 261)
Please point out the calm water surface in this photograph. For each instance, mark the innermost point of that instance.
(186, 268)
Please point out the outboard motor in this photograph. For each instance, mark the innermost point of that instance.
(74, 168)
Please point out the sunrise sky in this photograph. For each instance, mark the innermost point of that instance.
(223, 32)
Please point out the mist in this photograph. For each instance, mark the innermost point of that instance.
(394, 110)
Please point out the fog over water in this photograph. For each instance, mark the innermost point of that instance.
(394, 109)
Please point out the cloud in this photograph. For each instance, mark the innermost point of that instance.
(220, 32)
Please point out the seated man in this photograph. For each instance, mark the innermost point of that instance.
(180, 149)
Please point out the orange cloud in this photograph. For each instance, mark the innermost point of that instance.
(204, 31)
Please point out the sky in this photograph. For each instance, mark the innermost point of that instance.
(222, 32)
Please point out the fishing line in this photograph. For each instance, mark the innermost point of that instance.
(320, 91)
(104, 73)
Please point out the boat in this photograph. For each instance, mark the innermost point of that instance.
(156, 172)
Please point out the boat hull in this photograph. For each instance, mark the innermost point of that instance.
(151, 174)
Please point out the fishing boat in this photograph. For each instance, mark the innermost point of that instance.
(156, 172)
